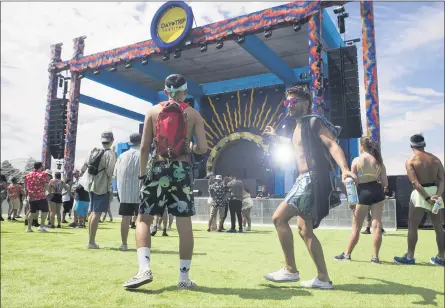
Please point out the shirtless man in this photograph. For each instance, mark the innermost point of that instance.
(426, 173)
(300, 200)
(170, 186)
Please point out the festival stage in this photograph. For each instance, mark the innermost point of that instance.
(237, 72)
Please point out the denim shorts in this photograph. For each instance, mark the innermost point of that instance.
(99, 203)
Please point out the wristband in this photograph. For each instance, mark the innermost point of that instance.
(427, 198)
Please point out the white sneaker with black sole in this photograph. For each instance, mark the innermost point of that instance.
(283, 275)
(139, 280)
(317, 284)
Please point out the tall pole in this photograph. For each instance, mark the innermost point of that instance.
(370, 70)
(314, 34)
(56, 53)
(73, 111)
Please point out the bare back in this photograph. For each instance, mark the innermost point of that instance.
(368, 169)
(426, 167)
(195, 127)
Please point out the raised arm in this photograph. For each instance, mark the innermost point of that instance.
(201, 140)
(412, 176)
(147, 139)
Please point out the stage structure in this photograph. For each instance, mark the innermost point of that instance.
(237, 71)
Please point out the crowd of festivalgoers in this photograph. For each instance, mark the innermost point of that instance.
(160, 184)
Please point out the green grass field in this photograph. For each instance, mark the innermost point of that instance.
(56, 270)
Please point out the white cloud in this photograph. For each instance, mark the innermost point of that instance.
(424, 91)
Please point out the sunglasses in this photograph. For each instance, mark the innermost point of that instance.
(293, 101)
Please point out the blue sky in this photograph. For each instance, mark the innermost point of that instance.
(410, 63)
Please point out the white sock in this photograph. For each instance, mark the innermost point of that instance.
(184, 268)
(144, 259)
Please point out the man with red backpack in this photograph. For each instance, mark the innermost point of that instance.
(171, 125)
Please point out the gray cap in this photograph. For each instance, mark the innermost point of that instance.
(107, 137)
(135, 139)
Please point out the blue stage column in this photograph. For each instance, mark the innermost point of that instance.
(279, 181)
(353, 148)
(314, 34)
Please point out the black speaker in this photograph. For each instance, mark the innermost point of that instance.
(403, 195)
(343, 86)
(57, 127)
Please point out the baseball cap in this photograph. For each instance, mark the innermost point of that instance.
(135, 139)
(107, 137)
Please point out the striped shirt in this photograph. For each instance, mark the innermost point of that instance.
(126, 172)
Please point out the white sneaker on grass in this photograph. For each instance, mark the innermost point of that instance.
(317, 284)
(93, 246)
(29, 230)
(283, 275)
(43, 229)
(123, 247)
(184, 285)
(139, 280)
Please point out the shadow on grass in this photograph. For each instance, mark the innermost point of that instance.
(160, 252)
(390, 287)
(271, 292)
(260, 232)
(395, 234)
(392, 263)
(59, 232)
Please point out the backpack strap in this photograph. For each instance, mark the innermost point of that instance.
(103, 153)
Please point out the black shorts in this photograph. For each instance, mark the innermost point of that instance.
(370, 193)
(68, 206)
(56, 198)
(39, 205)
(170, 187)
(128, 209)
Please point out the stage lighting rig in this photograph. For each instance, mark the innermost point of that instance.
(219, 43)
(113, 68)
(203, 47)
(341, 16)
(166, 56)
(96, 72)
(128, 65)
(352, 42)
(144, 61)
(297, 26)
(177, 53)
(267, 32)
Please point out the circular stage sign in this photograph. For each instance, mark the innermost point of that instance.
(171, 24)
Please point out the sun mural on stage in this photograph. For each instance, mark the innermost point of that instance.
(238, 115)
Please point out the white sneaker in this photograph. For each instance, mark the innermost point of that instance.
(317, 284)
(93, 246)
(29, 230)
(169, 229)
(43, 229)
(248, 229)
(123, 247)
(139, 280)
(283, 275)
(184, 285)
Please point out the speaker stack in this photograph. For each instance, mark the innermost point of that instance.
(57, 127)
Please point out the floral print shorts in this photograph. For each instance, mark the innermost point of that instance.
(171, 187)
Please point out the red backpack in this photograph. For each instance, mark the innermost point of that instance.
(171, 130)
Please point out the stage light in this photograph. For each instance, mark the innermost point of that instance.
(152, 51)
(217, 97)
(304, 75)
(187, 43)
(113, 68)
(219, 44)
(177, 53)
(297, 26)
(144, 61)
(283, 154)
(232, 96)
(81, 75)
(96, 72)
(166, 56)
(277, 89)
(339, 10)
(319, 47)
(241, 39)
(261, 91)
(267, 32)
(128, 65)
(203, 47)
(245, 93)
